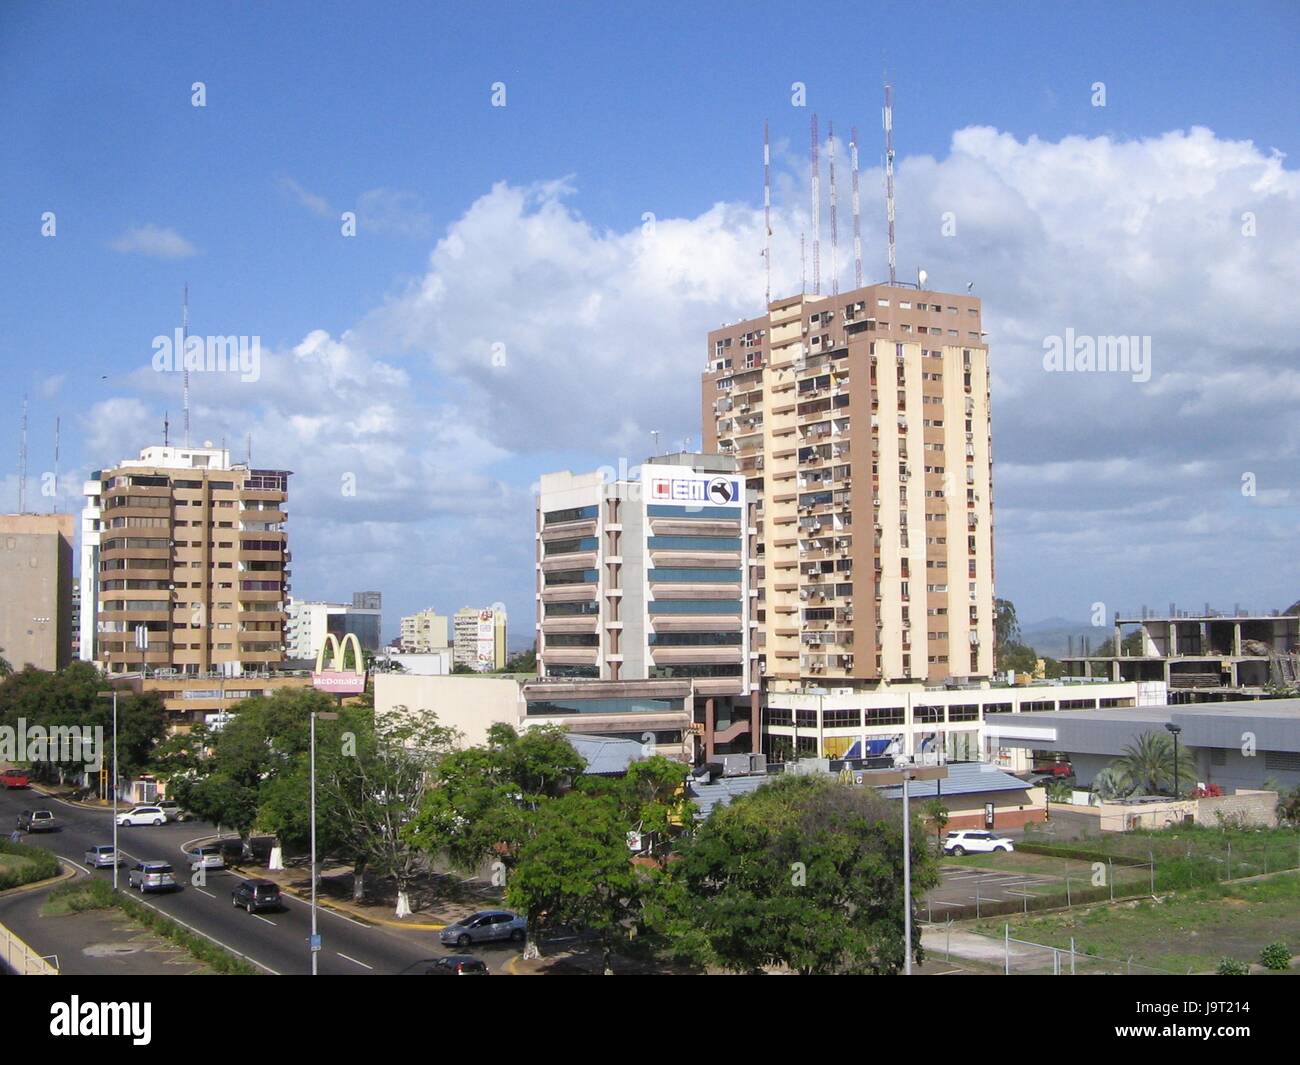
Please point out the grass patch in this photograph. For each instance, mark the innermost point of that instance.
(83, 895)
(1194, 929)
(21, 864)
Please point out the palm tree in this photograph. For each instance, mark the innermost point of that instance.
(1148, 765)
(937, 813)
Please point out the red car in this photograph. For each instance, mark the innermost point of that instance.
(1055, 769)
(14, 778)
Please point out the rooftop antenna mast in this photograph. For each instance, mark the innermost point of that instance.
(857, 209)
(816, 213)
(888, 119)
(22, 463)
(166, 427)
(185, 343)
(767, 212)
(835, 226)
(54, 500)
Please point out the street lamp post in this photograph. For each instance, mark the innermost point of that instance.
(116, 862)
(113, 695)
(315, 936)
(1174, 730)
(907, 878)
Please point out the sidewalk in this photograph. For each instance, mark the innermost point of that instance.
(335, 892)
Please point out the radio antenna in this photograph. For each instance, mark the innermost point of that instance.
(857, 209)
(888, 119)
(816, 213)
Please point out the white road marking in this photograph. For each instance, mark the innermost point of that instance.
(202, 892)
(325, 909)
(199, 931)
(354, 961)
(261, 918)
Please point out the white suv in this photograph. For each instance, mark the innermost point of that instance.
(142, 815)
(970, 841)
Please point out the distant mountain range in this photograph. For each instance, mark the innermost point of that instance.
(1051, 636)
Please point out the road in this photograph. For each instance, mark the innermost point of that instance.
(275, 942)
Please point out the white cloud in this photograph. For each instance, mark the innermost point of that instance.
(393, 212)
(318, 205)
(533, 331)
(159, 242)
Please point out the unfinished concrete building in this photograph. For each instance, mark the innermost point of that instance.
(1202, 657)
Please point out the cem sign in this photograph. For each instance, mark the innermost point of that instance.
(330, 676)
(713, 491)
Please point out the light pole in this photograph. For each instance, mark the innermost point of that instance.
(1174, 730)
(907, 877)
(315, 936)
(113, 695)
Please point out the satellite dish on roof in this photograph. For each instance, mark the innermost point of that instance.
(921, 276)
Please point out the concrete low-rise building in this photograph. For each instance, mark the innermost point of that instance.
(655, 713)
(916, 721)
(1240, 745)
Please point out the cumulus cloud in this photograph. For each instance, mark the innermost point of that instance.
(158, 242)
(533, 332)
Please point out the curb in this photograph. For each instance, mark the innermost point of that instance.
(67, 874)
(41, 789)
(345, 911)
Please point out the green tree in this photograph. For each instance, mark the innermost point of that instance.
(1006, 627)
(938, 815)
(1053, 669)
(523, 662)
(1017, 656)
(1148, 765)
(804, 872)
(575, 870)
(651, 798)
(481, 800)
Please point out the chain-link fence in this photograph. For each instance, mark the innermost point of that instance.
(1023, 957)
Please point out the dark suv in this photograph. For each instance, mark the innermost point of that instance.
(254, 895)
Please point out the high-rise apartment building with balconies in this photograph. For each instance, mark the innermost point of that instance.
(860, 422)
(184, 564)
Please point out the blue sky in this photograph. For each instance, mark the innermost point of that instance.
(316, 109)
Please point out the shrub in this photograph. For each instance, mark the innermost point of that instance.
(1232, 967)
(1276, 956)
(38, 864)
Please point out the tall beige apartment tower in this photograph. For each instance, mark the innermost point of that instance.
(36, 587)
(184, 564)
(861, 420)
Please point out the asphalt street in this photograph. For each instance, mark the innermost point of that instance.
(277, 943)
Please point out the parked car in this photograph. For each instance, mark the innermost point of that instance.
(208, 856)
(970, 841)
(37, 821)
(254, 895)
(151, 876)
(173, 810)
(142, 815)
(102, 856)
(232, 850)
(15, 778)
(486, 926)
(453, 965)
(1055, 769)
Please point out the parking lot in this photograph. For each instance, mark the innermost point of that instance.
(965, 887)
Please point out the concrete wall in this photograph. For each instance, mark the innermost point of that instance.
(1254, 807)
(471, 705)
